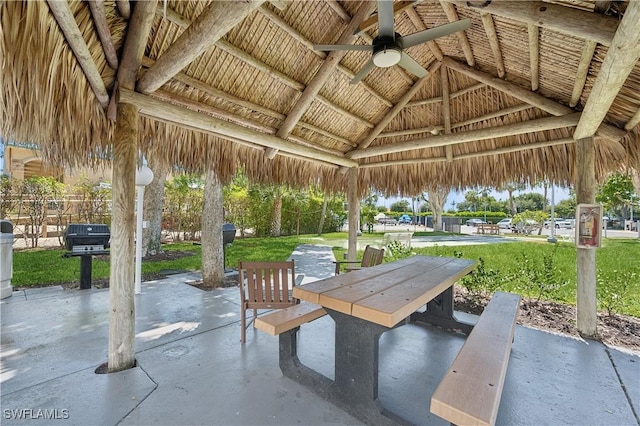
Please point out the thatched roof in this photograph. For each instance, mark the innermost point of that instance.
(496, 106)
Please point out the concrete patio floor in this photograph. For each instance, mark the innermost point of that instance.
(192, 369)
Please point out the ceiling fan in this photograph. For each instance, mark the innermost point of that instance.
(388, 47)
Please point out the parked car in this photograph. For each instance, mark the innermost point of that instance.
(388, 221)
(404, 219)
(505, 224)
(475, 222)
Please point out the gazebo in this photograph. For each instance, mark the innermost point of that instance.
(529, 90)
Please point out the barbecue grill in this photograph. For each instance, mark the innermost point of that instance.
(86, 238)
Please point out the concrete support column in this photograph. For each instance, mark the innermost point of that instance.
(354, 204)
(121, 281)
(586, 258)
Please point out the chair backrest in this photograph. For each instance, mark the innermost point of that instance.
(372, 256)
(267, 285)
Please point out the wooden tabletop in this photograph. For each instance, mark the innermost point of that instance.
(388, 293)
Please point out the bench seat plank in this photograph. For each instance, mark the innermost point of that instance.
(275, 323)
(470, 391)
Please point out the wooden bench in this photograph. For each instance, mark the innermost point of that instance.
(470, 391)
(488, 228)
(283, 320)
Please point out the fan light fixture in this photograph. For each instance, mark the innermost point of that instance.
(387, 57)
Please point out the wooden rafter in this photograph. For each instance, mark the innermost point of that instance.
(547, 123)
(71, 31)
(339, 10)
(583, 69)
(393, 112)
(406, 132)
(419, 24)
(135, 43)
(280, 4)
(496, 151)
(494, 43)
(102, 28)
(343, 111)
(446, 110)
(328, 66)
(618, 64)
(635, 120)
(372, 21)
(566, 20)
(168, 113)
(534, 55)
(452, 15)
(535, 99)
(214, 22)
(284, 25)
(453, 95)
(124, 8)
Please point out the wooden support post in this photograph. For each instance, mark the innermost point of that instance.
(354, 213)
(121, 279)
(446, 110)
(586, 258)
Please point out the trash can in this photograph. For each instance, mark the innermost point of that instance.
(6, 258)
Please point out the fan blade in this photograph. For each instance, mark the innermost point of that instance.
(385, 18)
(433, 33)
(364, 71)
(328, 47)
(409, 64)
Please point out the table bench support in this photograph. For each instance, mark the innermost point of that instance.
(440, 313)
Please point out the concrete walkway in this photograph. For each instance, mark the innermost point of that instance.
(192, 370)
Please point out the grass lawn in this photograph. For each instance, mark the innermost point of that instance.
(528, 268)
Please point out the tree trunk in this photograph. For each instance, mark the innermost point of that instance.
(276, 225)
(323, 214)
(153, 199)
(212, 218)
(437, 200)
(512, 204)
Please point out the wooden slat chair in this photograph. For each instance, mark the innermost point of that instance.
(371, 257)
(264, 285)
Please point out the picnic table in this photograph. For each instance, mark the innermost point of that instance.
(364, 304)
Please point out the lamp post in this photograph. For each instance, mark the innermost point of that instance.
(144, 176)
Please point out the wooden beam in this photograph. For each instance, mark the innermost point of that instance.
(104, 33)
(452, 15)
(169, 113)
(328, 66)
(354, 213)
(214, 22)
(344, 111)
(496, 151)
(452, 95)
(419, 24)
(583, 69)
(585, 186)
(124, 8)
(135, 43)
(547, 123)
(276, 19)
(122, 318)
(500, 113)
(323, 132)
(391, 114)
(494, 43)
(566, 20)
(69, 27)
(372, 21)
(339, 10)
(434, 130)
(635, 120)
(534, 56)
(552, 107)
(616, 67)
(446, 111)
(280, 4)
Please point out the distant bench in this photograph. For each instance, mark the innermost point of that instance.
(488, 228)
(470, 391)
(403, 237)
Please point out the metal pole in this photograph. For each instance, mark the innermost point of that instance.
(553, 239)
(138, 275)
